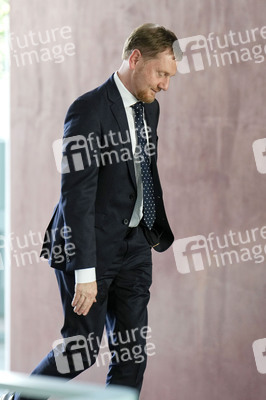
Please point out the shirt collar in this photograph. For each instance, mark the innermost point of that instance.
(127, 97)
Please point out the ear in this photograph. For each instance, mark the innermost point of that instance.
(134, 58)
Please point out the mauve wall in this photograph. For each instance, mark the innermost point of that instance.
(203, 322)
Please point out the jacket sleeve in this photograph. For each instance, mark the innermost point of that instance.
(80, 160)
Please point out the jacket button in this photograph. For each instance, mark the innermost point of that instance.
(131, 196)
(125, 221)
(158, 197)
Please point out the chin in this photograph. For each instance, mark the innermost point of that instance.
(149, 100)
(143, 96)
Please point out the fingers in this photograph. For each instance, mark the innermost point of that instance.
(76, 298)
(84, 297)
(83, 305)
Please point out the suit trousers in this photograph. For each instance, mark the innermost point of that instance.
(121, 307)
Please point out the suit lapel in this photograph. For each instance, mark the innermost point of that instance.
(119, 113)
(149, 116)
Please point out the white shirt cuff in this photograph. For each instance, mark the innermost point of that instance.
(85, 275)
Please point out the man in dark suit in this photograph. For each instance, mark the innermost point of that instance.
(111, 212)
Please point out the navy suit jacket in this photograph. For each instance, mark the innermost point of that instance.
(98, 184)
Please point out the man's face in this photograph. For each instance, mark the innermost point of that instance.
(151, 76)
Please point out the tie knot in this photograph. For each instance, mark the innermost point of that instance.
(138, 107)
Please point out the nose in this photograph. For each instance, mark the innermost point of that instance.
(164, 83)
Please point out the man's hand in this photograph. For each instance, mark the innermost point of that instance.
(85, 296)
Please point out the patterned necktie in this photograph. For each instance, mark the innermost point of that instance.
(148, 190)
